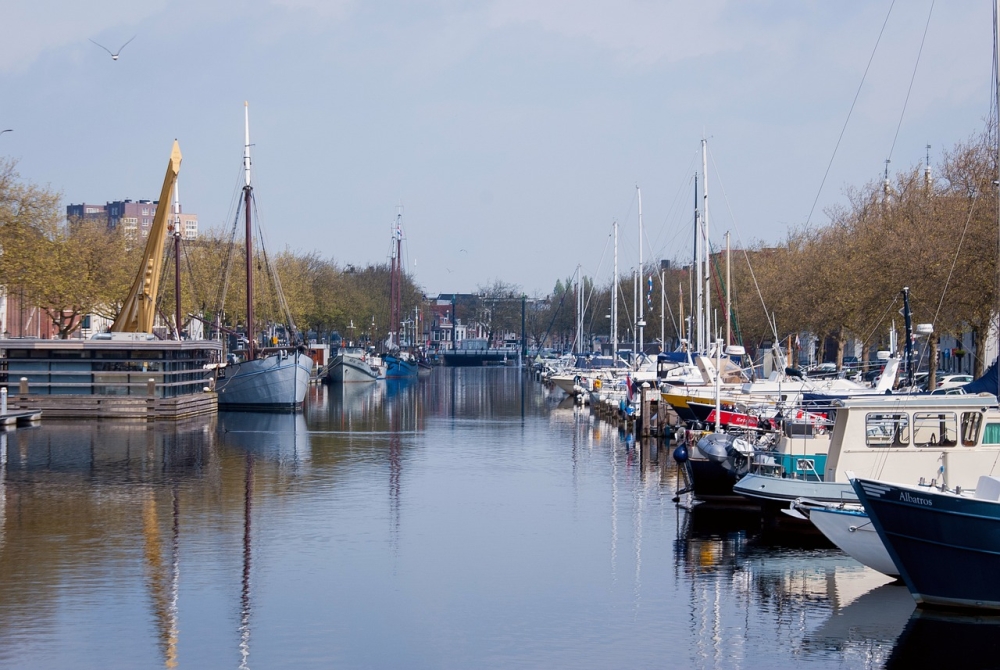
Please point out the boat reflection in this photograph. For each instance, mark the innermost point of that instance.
(936, 639)
(826, 603)
(282, 437)
(863, 626)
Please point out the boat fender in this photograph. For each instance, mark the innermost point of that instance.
(681, 453)
(597, 384)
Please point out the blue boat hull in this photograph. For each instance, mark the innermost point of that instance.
(947, 547)
(397, 368)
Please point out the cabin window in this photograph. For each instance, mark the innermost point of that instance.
(991, 434)
(887, 430)
(935, 429)
(971, 422)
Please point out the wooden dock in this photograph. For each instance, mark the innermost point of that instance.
(20, 418)
(149, 408)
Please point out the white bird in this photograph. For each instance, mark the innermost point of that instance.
(114, 56)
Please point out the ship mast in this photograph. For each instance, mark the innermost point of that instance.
(640, 319)
(707, 277)
(247, 197)
(996, 137)
(614, 304)
(396, 281)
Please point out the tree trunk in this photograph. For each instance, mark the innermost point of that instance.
(979, 337)
(841, 341)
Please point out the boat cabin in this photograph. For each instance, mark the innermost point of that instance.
(948, 438)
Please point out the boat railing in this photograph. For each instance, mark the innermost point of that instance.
(56, 373)
(164, 384)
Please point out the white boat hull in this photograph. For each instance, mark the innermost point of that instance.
(770, 489)
(350, 369)
(276, 382)
(853, 533)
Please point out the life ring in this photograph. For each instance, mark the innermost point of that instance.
(597, 384)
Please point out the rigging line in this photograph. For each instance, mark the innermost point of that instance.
(682, 230)
(235, 205)
(849, 113)
(227, 265)
(954, 260)
(881, 319)
(961, 239)
(679, 197)
(273, 272)
(593, 286)
(190, 277)
(670, 309)
(912, 78)
(739, 238)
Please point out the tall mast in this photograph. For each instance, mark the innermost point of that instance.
(996, 137)
(641, 323)
(395, 280)
(247, 197)
(708, 266)
(692, 329)
(729, 296)
(614, 302)
(663, 307)
(635, 311)
(699, 298)
(579, 311)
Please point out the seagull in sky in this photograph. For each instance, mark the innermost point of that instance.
(463, 251)
(114, 56)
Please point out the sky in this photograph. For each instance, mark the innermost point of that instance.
(512, 133)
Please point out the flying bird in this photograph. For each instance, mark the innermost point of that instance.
(463, 251)
(114, 56)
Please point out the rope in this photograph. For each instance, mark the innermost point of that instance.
(849, 113)
(912, 77)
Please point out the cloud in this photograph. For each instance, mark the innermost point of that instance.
(642, 32)
(324, 9)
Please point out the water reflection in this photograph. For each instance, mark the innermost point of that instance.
(80, 494)
(815, 600)
(865, 621)
(280, 437)
(939, 639)
(466, 519)
(244, 627)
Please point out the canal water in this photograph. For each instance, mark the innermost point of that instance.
(471, 519)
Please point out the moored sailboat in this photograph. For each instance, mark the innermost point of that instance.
(275, 379)
(399, 364)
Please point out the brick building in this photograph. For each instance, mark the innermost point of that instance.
(134, 216)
